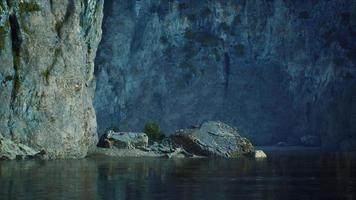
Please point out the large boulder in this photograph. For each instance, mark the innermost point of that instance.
(213, 139)
(123, 140)
(10, 150)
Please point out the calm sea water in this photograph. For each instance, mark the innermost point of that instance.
(284, 175)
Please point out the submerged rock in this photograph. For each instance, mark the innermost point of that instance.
(213, 139)
(123, 140)
(10, 150)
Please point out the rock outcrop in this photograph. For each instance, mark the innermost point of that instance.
(47, 49)
(123, 140)
(10, 150)
(276, 69)
(213, 139)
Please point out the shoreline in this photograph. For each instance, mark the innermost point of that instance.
(137, 153)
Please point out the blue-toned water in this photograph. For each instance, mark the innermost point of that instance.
(284, 175)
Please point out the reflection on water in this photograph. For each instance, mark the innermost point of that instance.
(282, 176)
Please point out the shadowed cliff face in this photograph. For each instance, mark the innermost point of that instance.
(276, 69)
(47, 51)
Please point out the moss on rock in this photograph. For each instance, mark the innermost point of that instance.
(29, 7)
(3, 33)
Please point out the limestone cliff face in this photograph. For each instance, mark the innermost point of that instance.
(276, 69)
(47, 49)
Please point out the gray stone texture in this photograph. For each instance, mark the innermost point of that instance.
(47, 51)
(123, 140)
(276, 69)
(213, 139)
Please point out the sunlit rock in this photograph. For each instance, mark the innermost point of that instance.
(259, 154)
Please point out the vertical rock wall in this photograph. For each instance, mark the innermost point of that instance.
(276, 69)
(47, 49)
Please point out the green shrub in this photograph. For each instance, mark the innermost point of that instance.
(153, 132)
(26, 29)
(29, 7)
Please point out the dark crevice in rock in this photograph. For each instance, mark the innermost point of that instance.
(9, 3)
(47, 73)
(82, 19)
(51, 5)
(15, 34)
(16, 48)
(226, 71)
(69, 11)
(308, 111)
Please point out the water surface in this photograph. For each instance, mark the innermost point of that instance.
(284, 175)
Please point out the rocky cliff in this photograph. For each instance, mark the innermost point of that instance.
(47, 51)
(276, 69)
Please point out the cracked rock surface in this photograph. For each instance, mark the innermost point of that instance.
(47, 49)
